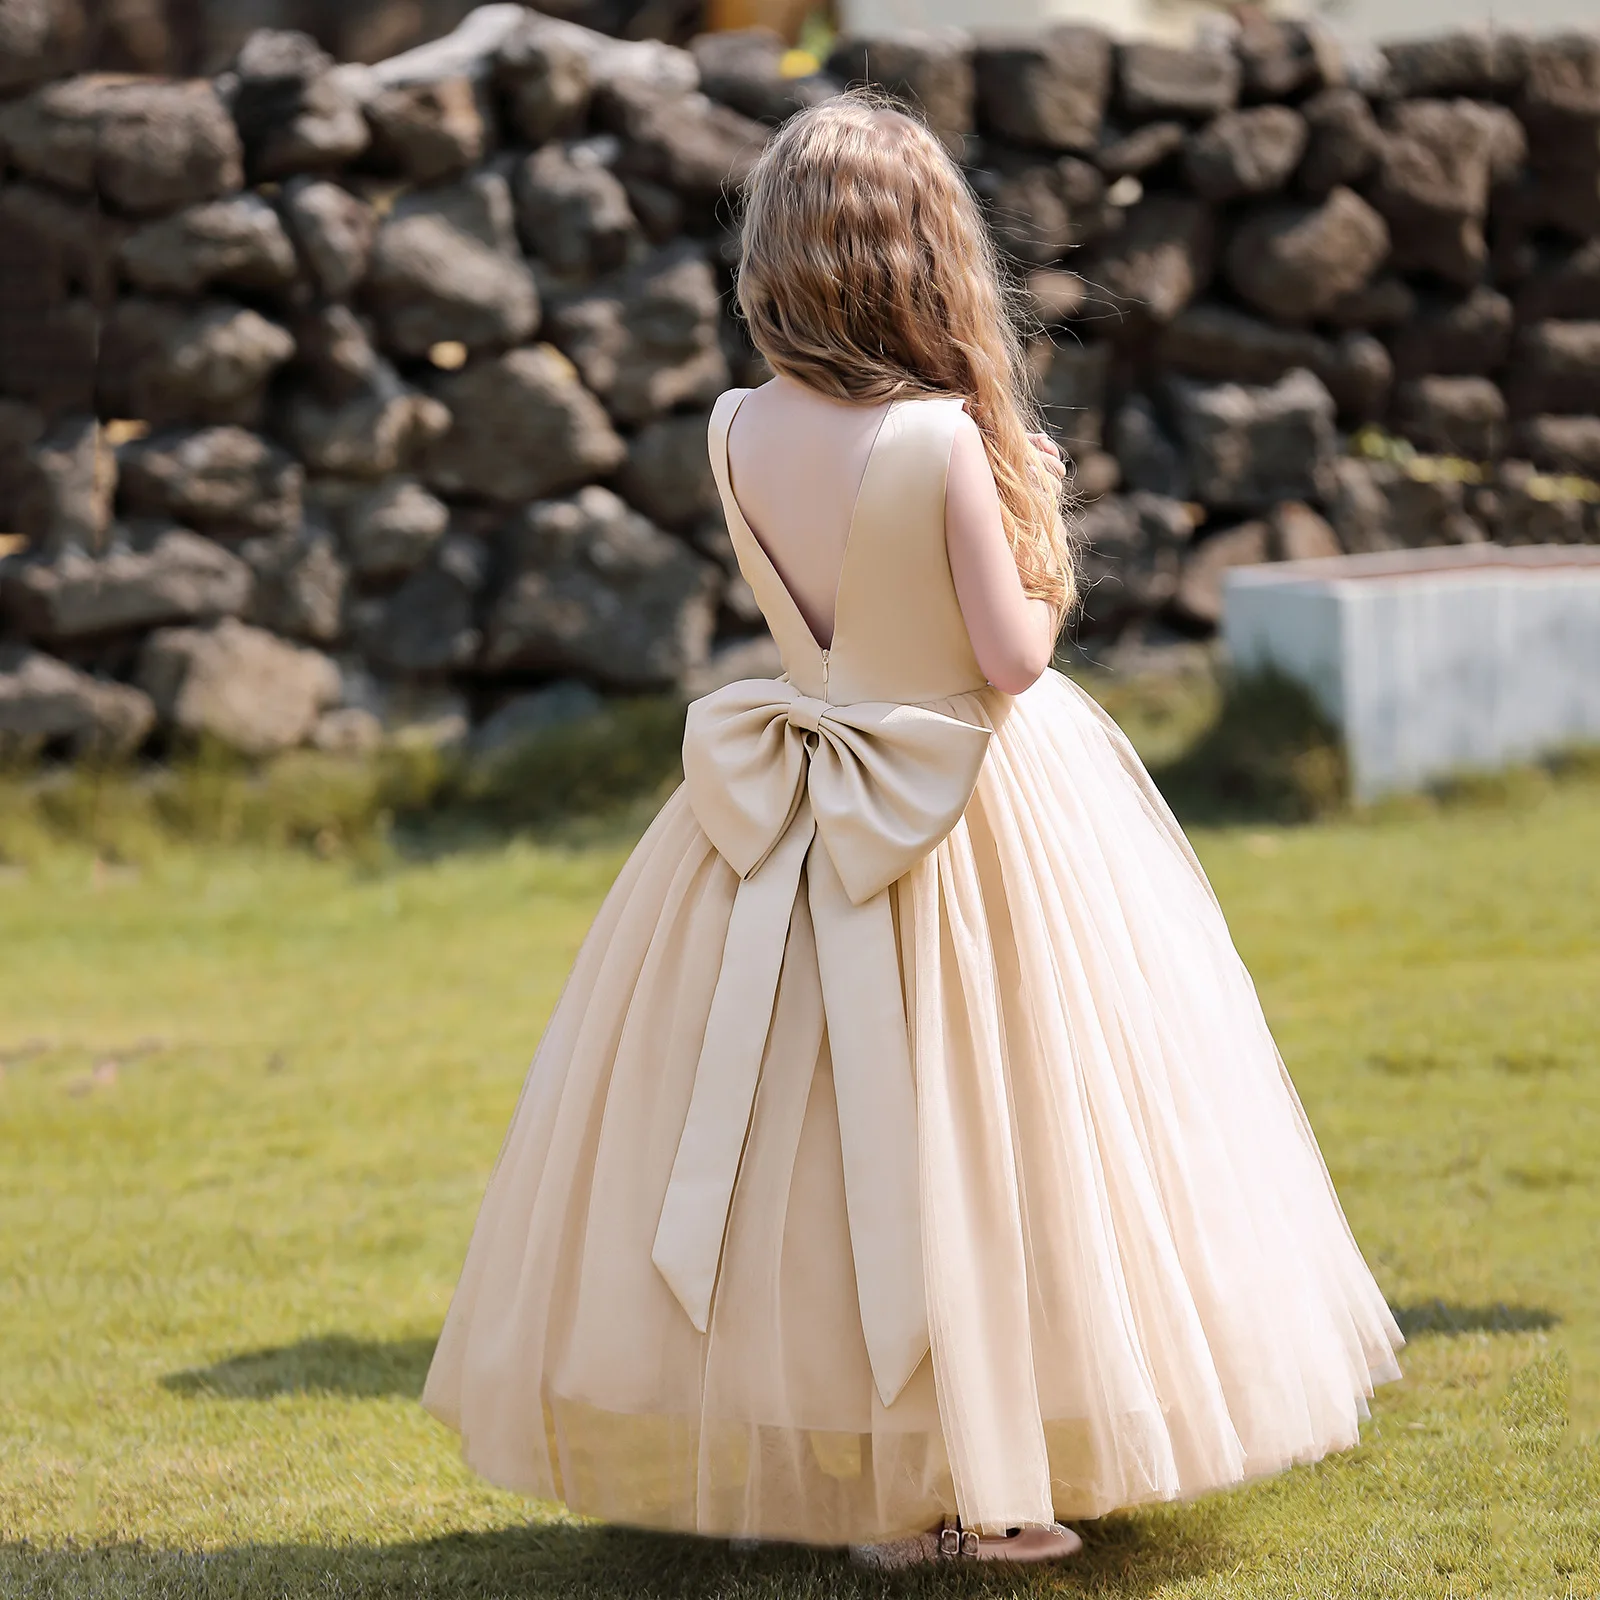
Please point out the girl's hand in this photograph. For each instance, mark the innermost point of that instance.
(1049, 455)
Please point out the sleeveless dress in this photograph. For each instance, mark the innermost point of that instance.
(907, 1140)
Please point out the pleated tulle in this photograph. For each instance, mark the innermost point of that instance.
(1140, 1282)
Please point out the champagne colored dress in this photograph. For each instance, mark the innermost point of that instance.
(908, 1139)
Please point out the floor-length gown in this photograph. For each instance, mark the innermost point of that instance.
(908, 1140)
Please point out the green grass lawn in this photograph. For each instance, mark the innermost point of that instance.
(249, 1101)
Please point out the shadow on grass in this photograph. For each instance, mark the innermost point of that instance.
(1270, 755)
(365, 1369)
(1127, 1556)
(1441, 1317)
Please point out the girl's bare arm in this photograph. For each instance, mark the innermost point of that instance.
(1013, 636)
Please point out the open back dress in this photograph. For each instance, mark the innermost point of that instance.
(908, 1140)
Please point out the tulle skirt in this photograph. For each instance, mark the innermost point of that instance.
(1140, 1282)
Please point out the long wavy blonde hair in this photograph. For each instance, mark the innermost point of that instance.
(866, 273)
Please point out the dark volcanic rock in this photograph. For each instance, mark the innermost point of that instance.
(61, 498)
(668, 475)
(1359, 373)
(1564, 283)
(1132, 553)
(1561, 444)
(1560, 108)
(1479, 63)
(21, 428)
(1428, 512)
(742, 68)
(598, 590)
(334, 352)
(1452, 416)
(367, 428)
(686, 143)
(393, 529)
(1245, 152)
(1165, 80)
(1561, 94)
(1131, 155)
(1555, 200)
(1555, 367)
(144, 146)
(428, 132)
(1375, 505)
(1518, 509)
(1386, 302)
(930, 67)
(648, 340)
(237, 241)
(1054, 295)
(1357, 507)
(299, 584)
(1455, 338)
(1435, 169)
(237, 684)
(166, 361)
(1048, 89)
(39, 40)
(1249, 447)
(574, 213)
(1218, 343)
(45, 702)
(294, 111)
(1071, 388)
(1296, 533)
(334, 230)
(544, 78)
(1160, 260)
(167, 575)
(429, 624)
(1280, 57)
(53, 248)
(1146, 453)
(224, 481)
(1038, 210)
(1199, 594)
(52, 354)
(445, 267)
(524, 427)
(1294, 262)
(1343, 140)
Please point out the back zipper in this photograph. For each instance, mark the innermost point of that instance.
(824, 674)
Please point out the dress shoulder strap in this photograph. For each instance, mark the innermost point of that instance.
(718, 425)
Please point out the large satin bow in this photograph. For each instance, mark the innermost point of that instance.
(769, 771)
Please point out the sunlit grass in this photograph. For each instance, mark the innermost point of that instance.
(250, 1100)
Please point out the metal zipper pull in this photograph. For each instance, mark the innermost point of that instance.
(824, 674)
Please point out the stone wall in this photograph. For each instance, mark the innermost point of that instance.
(184, 37)
(336, 399)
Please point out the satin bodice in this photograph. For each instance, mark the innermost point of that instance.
(898, 632)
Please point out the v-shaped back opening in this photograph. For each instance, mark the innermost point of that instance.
(821, 645)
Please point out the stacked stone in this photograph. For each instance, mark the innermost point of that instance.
(1249, 251)
(342, 399)
(339, 398)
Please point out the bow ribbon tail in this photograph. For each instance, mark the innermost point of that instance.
(875, 1088)
(694, 1214)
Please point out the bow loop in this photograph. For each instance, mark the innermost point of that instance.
(886, 781)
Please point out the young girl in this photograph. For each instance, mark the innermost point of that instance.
(907, 1162)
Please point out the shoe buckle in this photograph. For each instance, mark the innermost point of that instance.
(958, 1541)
